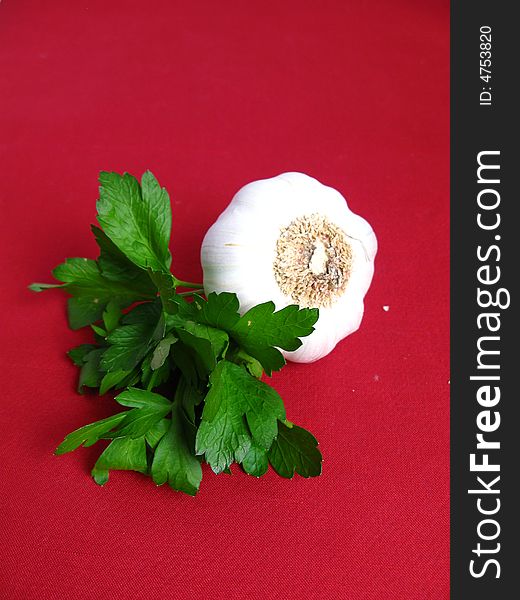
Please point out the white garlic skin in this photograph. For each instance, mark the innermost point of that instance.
(239, 250)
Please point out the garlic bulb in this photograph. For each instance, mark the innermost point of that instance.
(293, 240)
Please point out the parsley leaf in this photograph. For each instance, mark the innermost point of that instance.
(239, 410)
(209, 343)
(173, 462)
(112, 379)
(140, 420)
(83, 278)
(130, 430)
(78, 354)
(122, 454)
(255, 461)
(261, 330)
(89, 434)
(155, 434)
(149, 409)
(137, 218)
(130, 342)
(137, 398)
(295, 450)
(92, 291)
(114, 265)
(91, 374)
(83, 311)
(219, 310)
(161, 352)
(111, 316)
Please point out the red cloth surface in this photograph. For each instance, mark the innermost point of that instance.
(209, 96)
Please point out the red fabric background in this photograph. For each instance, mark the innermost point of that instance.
(209, 96)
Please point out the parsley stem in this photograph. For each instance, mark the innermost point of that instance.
(191, 292)
(186, 284)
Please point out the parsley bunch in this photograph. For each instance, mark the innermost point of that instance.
(189, 368)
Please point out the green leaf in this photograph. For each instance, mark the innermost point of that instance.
(255, 461)
(260, 331)
(155, 434)
(174, 463)
(92, 291)
(157, 201)
(128, 346)
(149, 408)
(78, 354)
(112, 379)
(149, 313)
(209, 343)
(224, 434)
(111, 316)
(114, 265)
(218, 339)
(89, 434)
(295, 450)
(284, 328)
(83, 311)
(84, 279)
(219, 310)
(99, 330)
(137, 398)
(161, 352)
(122, 454)
(91, 374)
(136, 218)
(140, 420)
(130, 341)
(78, 271)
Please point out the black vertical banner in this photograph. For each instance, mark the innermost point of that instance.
(485, 239)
